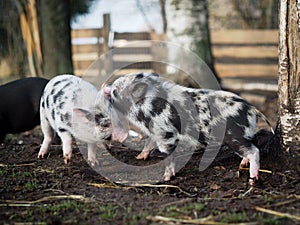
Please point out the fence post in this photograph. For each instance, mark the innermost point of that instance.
(105, 49)
(105, 31)
(159, 54)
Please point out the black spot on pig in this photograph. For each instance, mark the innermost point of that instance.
(175, 119)
(139, 76)
(202, 138)
(158, 106)
(43, 104)
(52, 91)
(56, 83)
(53, 114)
(242, 118)
(98, 117)
(61, 105)
(57, 96)
(236, 99)
(142, 118)
(67, 85)
(193, 95)
(75, 97)
(230, 103)
(115, 93)
(47, 101)
(206, 123)
(168, 135)
(59, 81)
(65, 117)
(202, 92)
(235, 125)
(62, 129)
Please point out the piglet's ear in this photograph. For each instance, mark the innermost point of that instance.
(83, 114)
(139, 91)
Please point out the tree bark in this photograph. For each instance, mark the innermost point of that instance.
(289, 76)
(56, 37)
(187, 25)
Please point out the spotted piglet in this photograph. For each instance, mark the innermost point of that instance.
(72, 107)
(170, 114)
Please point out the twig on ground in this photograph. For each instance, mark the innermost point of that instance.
(246, 193)
(108, 186)
(283, 203)
(17, 165)
(163, 186)
(261, 170)
(279, 214)
(205, 220)
(44, 199)
(166, 186)
(182, 201)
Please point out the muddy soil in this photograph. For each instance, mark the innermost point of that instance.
(46, 191)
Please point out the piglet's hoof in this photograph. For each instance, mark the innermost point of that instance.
(142, 155)
(93, 162)
(41, 156)
(67, 160)
(169, 173)
(253, 180)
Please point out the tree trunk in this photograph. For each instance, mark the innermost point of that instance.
(289, 77)
(56, 37)
(187, 25)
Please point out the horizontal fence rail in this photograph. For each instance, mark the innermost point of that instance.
(243, 58)
(244, 53)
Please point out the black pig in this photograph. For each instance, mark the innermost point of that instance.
(19, 105)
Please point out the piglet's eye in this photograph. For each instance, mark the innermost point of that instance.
(115, 93)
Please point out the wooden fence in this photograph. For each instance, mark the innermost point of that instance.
(127, 55)
(243, 58)
(246, 59)
(85, 54)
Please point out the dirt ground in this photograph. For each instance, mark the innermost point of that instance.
(46, 191)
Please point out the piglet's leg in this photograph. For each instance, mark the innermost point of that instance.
(244, 162)
(252, 156)
(92, 153)
(66, 139)
(48, 137)
(149, 145)
(170, 168)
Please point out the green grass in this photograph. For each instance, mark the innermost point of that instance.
(30, 185)
(185, 210)
(131, 218)
(235, 217)
(23, 175)
(108, 211)
(268, 220)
